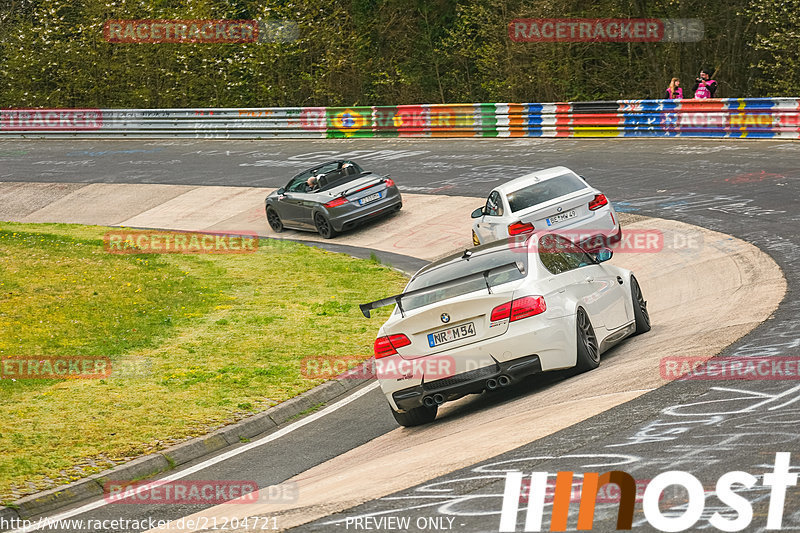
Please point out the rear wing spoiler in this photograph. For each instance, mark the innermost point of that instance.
(397, 298)
(378, 179)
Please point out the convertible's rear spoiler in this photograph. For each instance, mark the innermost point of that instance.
(397, 298)
(361, 187)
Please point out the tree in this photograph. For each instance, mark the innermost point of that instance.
(777, 35)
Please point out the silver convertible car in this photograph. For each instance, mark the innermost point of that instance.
(330, 198)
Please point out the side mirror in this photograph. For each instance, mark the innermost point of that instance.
(478, 213)
(603, 254)
(280, 191)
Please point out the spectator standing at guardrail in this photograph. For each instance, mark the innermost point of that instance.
(674, 90)
(704, 86)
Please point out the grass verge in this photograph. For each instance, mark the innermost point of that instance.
(195, 341)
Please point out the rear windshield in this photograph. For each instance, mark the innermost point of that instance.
(503, 260)
(544, 191)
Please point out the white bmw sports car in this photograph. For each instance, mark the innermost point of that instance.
(497, 313)
(555, 199)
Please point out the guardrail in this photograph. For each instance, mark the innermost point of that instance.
(727, 117)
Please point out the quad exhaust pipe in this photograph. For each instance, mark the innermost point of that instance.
(491, 384)
(501, 381)
(430, 401)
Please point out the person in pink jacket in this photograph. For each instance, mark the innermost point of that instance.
(704, 86)
(674, 90)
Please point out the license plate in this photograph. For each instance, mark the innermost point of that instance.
(370, 198)
(555, 219)
(451, 334)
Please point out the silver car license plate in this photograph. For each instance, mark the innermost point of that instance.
(370, 198)
(451, 334)
(555, 219)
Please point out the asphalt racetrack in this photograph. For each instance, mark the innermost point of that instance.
(747, 189)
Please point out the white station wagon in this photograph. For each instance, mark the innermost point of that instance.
(555, 199)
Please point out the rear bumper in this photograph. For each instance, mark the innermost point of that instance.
(601, 240)
(548, 337)
(600, 230)
(474, 381)
(354, 215)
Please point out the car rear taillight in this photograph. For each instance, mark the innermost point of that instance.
(389, 182)
(336, 202)
(519, 308)
(518, 228)
(599, 201)
(386, 346)
(527, 306)
(501, 312)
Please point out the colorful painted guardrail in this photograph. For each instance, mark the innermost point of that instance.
(727, 117)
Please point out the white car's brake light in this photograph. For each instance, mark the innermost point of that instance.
(386, 346)
(599, 201)
(520, 227)
(519, 308)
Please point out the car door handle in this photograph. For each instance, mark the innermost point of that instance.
(589, 279)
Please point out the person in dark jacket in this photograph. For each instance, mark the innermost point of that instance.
(704, 86)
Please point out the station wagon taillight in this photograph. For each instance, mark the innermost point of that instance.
(520, 227)
(336, 202)
(386, 346)
(599, 201)
(519, 308)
